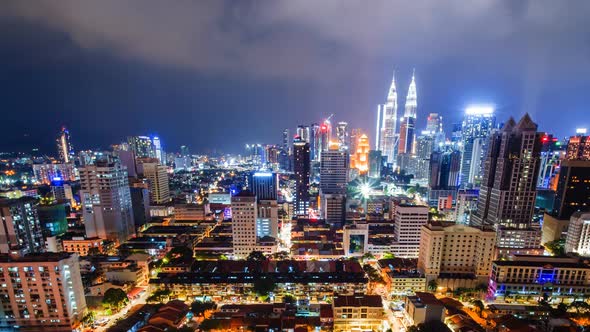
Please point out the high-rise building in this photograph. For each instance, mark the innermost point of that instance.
(333, 208)
(21, 231)
(301, 168)
(444, 168)
(360, 156)
(158, 152)
(478, 123)
(140, 201)
(304, 133)
(141, 146)
(387, 124)
(286, 144)
(65, 151)
(424, 148)
(508, 191)
(334, 171)
(578, 234)
(578, 148)
(42, 292)
(106, 201)
(407, 222)
(552, 153)
(263, 184)
(62, 191)
(184, 151)
(324, 137)
(267, 222)
(573, 189)
(456, 250)
(314, 136)
(157, 176)
(46, 173)
(52, 218)
(355, 134)
(375, 164)
(245, 219)
(433, 123)
(408, 122)
(342, 135)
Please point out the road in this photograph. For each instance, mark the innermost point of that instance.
(122, 313)
(395, 323)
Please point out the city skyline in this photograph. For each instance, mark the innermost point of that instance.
(75, 71)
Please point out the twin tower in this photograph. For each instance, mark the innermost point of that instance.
(389, 141)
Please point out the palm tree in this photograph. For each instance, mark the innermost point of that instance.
(432, 285)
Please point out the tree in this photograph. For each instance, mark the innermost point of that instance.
(580, 306)
(264, 285)
(199, 308)
(281, 255)
(290, 299)
(178, 254)
(89, 318)
(479, 306)
(159, 296)
(256, 256)
(556, 248)
(210, 324)
(432, 285)
(388, 255)
(431, 326)
(367, 256)
(93, 251)
(114, 298)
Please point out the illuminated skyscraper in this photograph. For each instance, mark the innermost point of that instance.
(360, 157)
(301, 168)
(304, 133)
(157, 176)
(334, 170)
(342, 135)
(263, 184)
(286, 141)
(314, 134)
(407, 135)
(578, 147)
(20, 230)
(386, 124)
(478, 123)
(508, 190)
(324, 137)
(158, 149)
(65, 151)
(375, 164)
(141, 146)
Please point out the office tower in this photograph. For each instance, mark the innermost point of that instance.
(387, 125)
(65, 151)
(314, 135)
(407, 223)
(552, 152)
(285, 161)
(21, 230)
(158, 152)
(184, 151)
(127, 159)
(333, 207)
(408, 122)
(106, 201)
(573, 188)
(578, 234)
(334, 171)
(157, 176)
(444, 168)
(355, 134)
(53, 219)
(62, 192)
(45, 173)
(140, 201)
(342, 135)
(457, 250)
(304, 133)
(263, 184)
(424, 148)
(507, 195)
(466, 205)
(42, 292)
(360, 156)
(244, 217)
(375, 164)
(324, 138)
(267, 221)
(255, 154)
(478, 123)
(141, 146)
(578, 148)
(301, 168)
(456, 136)
(286, 144)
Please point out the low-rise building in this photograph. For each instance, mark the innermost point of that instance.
(81, 245)
(424, 307)
(578, 234)
(357, 313)
(564, 278)
(401, 276)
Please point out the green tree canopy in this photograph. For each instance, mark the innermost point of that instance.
(256, 256)
(264, 285)
(199, 307)
(115, 298)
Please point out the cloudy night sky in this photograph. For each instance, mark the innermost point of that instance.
(219, 74)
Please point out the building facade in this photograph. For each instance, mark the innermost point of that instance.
(21, 231)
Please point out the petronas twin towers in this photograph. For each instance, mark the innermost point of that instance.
(388, 141)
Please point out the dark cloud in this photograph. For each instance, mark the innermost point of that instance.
(343, 50)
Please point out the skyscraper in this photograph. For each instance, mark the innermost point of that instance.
(508, 191)
(433, 123)
(304, 133)
(286, 144)
(301, 168)
(334, 171)
(20, 230)
(478, 123)
(343, 135)
(424, 147)
(375, 164)
(158, 153)
(263, 184)
(314, 134)
(578, 148)
(360, 157)
(157, 176)
(407, 135)
(65, 151)
(552, 153)
(141, 146)
(106, 201)
(244, 214)
(184, 152)
(387, 124)
(573, 189)
(444, 167)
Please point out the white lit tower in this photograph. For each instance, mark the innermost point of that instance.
(407, 135)
(65, 150)
(387, 123)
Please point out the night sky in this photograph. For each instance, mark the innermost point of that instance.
(215, 75)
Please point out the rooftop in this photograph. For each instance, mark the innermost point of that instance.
(358, 301)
